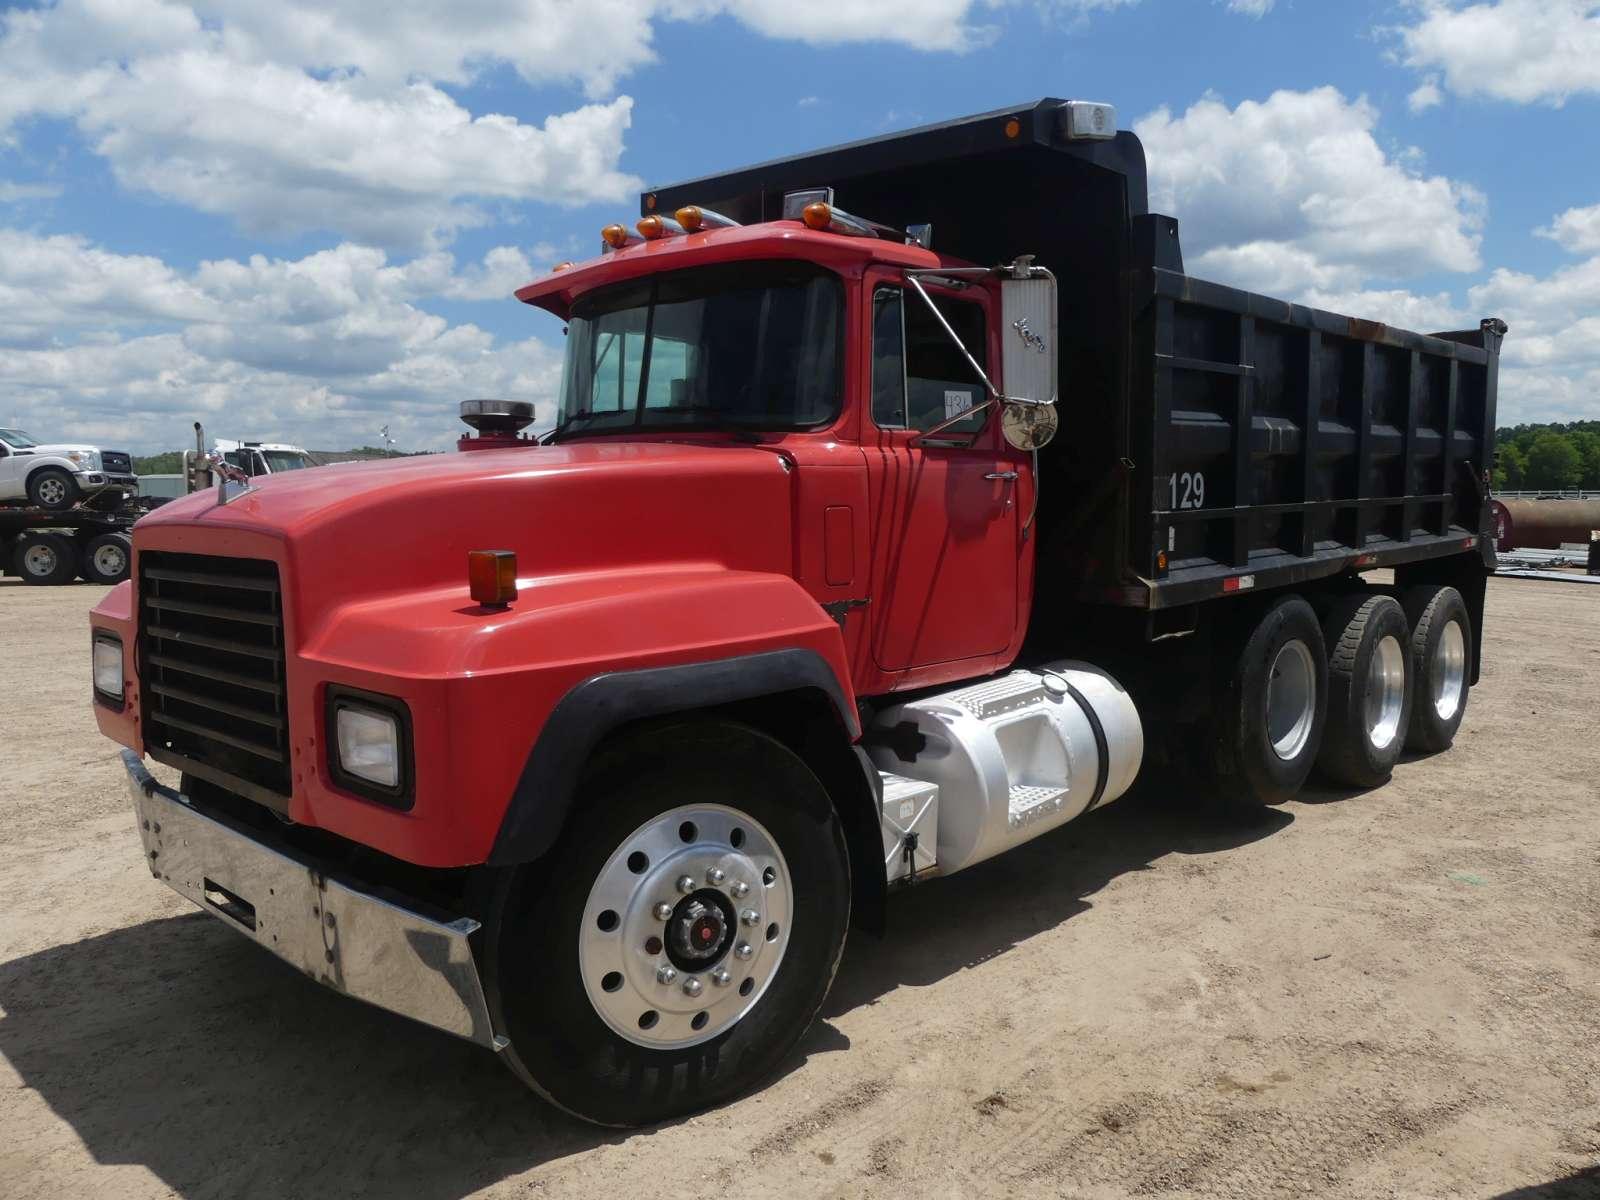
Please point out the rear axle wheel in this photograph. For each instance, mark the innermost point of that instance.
(1369, 690)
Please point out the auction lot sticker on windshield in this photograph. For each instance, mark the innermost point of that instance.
(956, 403)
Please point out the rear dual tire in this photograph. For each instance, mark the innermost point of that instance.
(45, 559)
(1369, 689)
(1441, 665)
(1270, 713)
(107, 558)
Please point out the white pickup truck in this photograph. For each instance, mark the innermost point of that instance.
(57, 476)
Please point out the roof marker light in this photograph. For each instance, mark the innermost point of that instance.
(1088, 120)
(814, 207)
(693, 218)
(615, 236)
(652, 227)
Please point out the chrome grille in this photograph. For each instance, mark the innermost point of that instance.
(212, 671)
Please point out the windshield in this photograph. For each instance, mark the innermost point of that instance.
(749, 345)
(15, 437)
(284, 460)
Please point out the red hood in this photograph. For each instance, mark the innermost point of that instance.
(405, 524)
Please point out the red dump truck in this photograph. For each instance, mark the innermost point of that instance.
(905, 499)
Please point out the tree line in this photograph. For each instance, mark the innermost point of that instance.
(1547, 457)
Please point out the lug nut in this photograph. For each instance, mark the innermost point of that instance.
(715, 875)
(742, 950)
(686, 884)
(663, 911)
(749, 916)
(665, 974)
(692, 986)
(740, 890)
(721, 977)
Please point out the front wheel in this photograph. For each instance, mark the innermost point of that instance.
(52, 488)
(681, 938)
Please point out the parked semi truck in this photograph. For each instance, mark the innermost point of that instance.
(906, 498)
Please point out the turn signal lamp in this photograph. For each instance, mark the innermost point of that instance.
(615, 236)
(492, 577)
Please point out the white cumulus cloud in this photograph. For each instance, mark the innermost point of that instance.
(1524, 51)
(298, 117)
(1577, 230)
(1296, 192)
(319, 349)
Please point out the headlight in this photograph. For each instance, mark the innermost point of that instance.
(371, 741)
(108, 666)
(84, 458)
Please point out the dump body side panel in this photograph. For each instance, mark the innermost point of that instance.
(1284, 442)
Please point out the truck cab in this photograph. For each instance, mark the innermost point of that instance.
(900, 497)
(264, 458)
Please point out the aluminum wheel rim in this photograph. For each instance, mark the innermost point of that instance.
(39, 560)
(1449, 670)
(644, 990)
(1386, 692)
(52, 491)
(110, 560)
(1291, 700)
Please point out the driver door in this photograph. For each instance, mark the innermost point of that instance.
(945, 509)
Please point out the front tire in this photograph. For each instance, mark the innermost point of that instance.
(1270, 713)
(678, 942)
(52, 488)
(1369, 690)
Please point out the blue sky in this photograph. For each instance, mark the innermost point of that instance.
(303, 221)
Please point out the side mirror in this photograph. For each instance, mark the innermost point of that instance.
(1029, 356)
(1028, 312)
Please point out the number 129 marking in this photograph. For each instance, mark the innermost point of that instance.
(1193, 486)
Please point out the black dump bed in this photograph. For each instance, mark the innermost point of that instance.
(1211, 440)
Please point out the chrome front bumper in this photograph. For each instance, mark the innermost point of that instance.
(332, 931)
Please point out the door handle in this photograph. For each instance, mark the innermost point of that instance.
(1006, 475)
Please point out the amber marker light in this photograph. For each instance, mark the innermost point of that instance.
(492, 577)
(650, 228)
(1013, 127)
(690, 217)
(817, 215)
(561, 266)
(615, 236)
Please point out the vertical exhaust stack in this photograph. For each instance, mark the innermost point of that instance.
(196, 472)
(496, 424)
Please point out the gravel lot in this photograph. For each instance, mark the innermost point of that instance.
(1389, 993)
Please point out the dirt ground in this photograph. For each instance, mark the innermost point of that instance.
(1394, 993)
